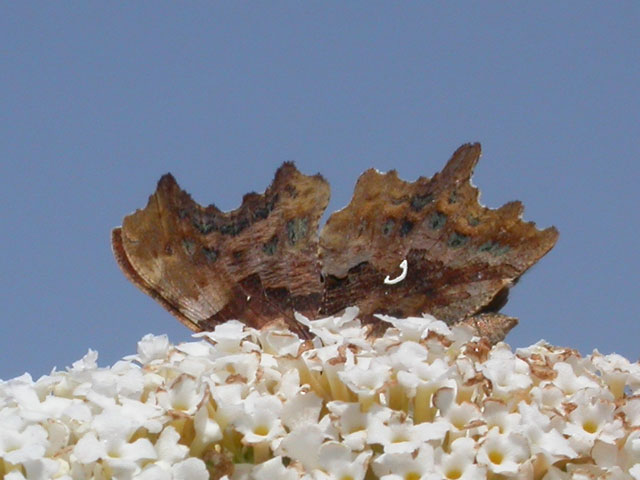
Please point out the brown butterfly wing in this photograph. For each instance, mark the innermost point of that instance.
(460, 254)
(257, 263)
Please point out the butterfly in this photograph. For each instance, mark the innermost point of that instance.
(398, 248)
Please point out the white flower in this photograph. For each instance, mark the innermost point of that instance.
(303, 445)
(421, 383)
(154, 472)
(207, 430)
(456, 417)
(88, 362)
(544, 439)
(21, 446)
(45, 469)
(89, 448)
(405, 465)
(261, 421)
(228, 399)
(338, 461)
(303, 408)
(145, 415)
(183, 395)
(459, 463)
(168, 448)
(496, 413)
(396, 435)
(548, 397)
(616, 371)
(503, 453)
(280, 342)
(191, 468)
(227, 336)
(365, 378)
(244, 365)
(406, 355)
(353, 424)
(507, 372)
(118, 452)
(591, 421)
(631, 410)
(153, 347)
(631, 451)
(274, 469)
(570, 382)
(197, 350)
(416, 328)
(336, 330)
(24, 395)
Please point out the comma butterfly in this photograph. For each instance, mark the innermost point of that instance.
(398, 248)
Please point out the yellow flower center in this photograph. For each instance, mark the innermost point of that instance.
(590, 427)
(453, 474)
(412, 476)
(261, 430)
(496, 457)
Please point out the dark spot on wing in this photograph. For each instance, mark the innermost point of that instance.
(437, 220)
(419, 201)
(210, 254)
(296, 230)
(457, 240)
(387, 227)
(406, 227)
(271, 246)
(189, 246)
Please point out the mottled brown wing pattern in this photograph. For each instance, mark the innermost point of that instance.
(460, 254)
(263, 261)
(257, 263)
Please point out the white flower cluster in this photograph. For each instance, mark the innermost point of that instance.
(424, 401)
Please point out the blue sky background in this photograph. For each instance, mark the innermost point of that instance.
(98, 99)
